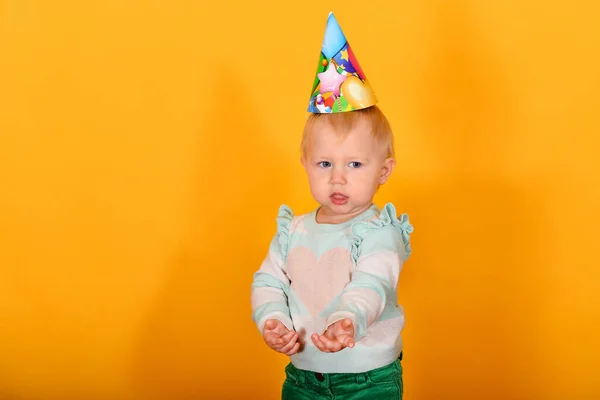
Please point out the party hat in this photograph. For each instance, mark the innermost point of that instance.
(340, 84)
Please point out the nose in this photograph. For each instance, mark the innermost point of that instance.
(337, 177)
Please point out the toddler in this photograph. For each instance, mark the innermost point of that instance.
(326, 294)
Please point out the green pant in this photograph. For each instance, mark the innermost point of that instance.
(383, 383)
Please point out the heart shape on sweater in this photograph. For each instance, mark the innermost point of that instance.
(318, 282)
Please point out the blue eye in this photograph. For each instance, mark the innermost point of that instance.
(324, 164)
(355, 164)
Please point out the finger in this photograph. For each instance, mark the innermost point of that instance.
(331, 345)
(346, 340)
(291, 343)
(274, 341)
(319, 343)
(294, 350)
(286, 337)
(276, 344)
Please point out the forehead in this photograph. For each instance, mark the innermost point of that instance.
(329, 135)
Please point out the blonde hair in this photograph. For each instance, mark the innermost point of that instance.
(343, 122)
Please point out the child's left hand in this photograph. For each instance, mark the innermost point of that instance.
(338, 336)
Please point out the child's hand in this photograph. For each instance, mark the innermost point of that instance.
(280, 338)
(338, 336)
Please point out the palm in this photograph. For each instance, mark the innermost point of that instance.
(340, 331)
(274, 329)
(280, 338)
(338, 336)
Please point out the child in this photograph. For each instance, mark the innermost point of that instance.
(326, 294)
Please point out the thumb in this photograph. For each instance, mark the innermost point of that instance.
(347, 324)
(271, 324)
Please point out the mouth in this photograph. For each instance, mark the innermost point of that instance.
(338, 198)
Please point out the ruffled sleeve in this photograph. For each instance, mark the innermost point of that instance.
(284, 221)
(271, 284)
(380, 246)
(387, 217)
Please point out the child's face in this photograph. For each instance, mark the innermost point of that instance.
(344, 174)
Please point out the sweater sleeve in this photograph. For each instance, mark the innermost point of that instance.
(270, 286)
(379, 250)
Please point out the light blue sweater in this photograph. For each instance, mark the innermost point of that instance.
(316, 274)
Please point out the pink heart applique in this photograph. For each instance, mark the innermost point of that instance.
(318, 282)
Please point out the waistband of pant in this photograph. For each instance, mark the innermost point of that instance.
(329, 379)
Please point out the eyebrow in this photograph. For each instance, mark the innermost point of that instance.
(353, 158)
(365, 158)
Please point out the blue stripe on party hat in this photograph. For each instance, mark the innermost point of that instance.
(334, 38)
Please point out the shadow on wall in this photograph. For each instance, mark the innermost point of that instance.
(462, 339)
(195, 338)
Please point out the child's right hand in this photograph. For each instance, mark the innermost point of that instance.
(280, 338)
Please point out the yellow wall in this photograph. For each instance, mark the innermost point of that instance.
(137, 136)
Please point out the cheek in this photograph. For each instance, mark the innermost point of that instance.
(367, 176)
(317, 173)
(367, 181)
(315, 178)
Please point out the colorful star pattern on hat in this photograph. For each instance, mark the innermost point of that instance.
(331, 80)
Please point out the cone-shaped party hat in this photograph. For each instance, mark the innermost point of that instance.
(340, 84)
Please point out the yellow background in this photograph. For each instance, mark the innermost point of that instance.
(140, 139)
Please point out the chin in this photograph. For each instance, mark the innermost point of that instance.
(340, 207)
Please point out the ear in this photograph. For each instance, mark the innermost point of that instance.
(386, 170)
(303, 160)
